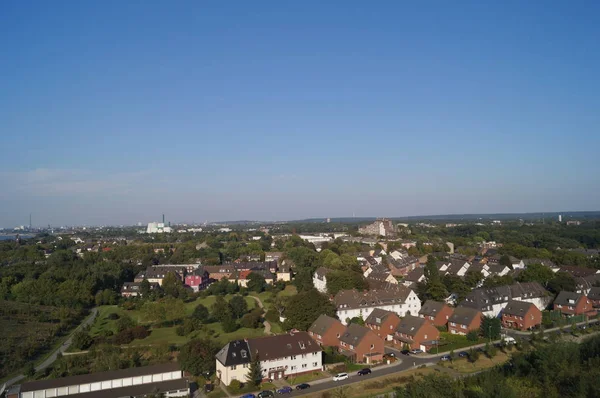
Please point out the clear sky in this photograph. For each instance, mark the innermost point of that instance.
(118, 111)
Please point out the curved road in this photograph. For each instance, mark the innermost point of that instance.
(65, 346)
(265, 323)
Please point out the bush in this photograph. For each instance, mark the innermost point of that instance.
(272, 316)
(235, 385)
(251, 320)
(229, 325)
(113, 316)
(179, 331)
(125, 322)
(123, 337)
(473, 335)
(139, 332)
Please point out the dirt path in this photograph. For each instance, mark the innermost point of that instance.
(265, 323)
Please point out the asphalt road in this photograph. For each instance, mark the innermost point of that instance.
(65, 346)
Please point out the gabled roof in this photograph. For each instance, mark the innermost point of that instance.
(565, 298)
(378, 316)
(518, 308)
(483, 298)
(543, 261)
(431, 308)
(321, 272)
(594, 293)
(578, 271)
(415, 274)
(283, 345)
(464, 315)
(354, 334)
(235, 352)
(410, 325)
(393, 294)
(323, 324)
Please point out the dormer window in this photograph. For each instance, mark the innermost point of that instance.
(244, 354)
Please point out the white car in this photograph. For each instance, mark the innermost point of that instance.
(508, 340)
(340, 377)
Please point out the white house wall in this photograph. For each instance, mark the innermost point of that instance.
(412, 304)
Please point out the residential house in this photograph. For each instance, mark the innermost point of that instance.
(326, 331)
(379, 278)
(436, 312)
(273, 256)
(521, 315)
(242, 277)
(542, 261)
(395, 298)
(280, 356)
(157, 274)
(455, 266)
(594, 296)
(584, 284)
(381, 227)
(218, 272)
(415, 276)
(284, 272)
(198, 280)
(134, 289)
(320, 279)
(463, 320)
(403, 266)
(165, 379)
(491, 301)
(361, 344)
(383, 323)
(571, 303)
(416, 333)
(579, 272)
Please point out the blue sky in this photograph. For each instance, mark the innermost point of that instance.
(116, 112)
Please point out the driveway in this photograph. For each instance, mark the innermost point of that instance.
(64, 347)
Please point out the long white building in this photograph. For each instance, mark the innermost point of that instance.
(395, 298)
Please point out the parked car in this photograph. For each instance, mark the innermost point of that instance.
(463, 354)
(285, 390)
(509, 339)
(248, 396)
(266, 394)
(446, 358)
(363, 372)
(302, 386)
(417, 351)
(405, 352)
(340, 377)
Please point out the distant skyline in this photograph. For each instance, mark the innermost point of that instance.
(117, 112)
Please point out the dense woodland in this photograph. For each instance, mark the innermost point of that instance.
(550, 370)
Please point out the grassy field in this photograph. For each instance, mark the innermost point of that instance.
(30, 332)
(167, 335)
(455, 342)
(307, 378)
(463, 365)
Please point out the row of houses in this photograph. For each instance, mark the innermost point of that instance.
(198, 277)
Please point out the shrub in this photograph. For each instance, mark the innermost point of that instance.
(473, 335)
(123, 337)
(179, 331)
(113, 316)
(235, 385)
(272, 316)
(139, 332)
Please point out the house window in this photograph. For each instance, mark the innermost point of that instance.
(425, 337)
(293, 367)
(233, 367)
(314, 354)
(245, 366)
(303, 355)
(304, 366)
(293, 357)
(314, 364)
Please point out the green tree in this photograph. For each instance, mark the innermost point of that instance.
(343, 280)
(436, 291)
(238, 306)
(562, 281)
(29, 369)
(82, 339)
(305, 307)
(505, 260)
(256, 282)
(229, 325)
(358, 320)
(536, 273)
(201, 313)
(220, 309)
(472, 278)
(255, 373)
(198, 356)
(472, 335)
(431, 271)
(491, 327)
(171, 285)
(145, 288)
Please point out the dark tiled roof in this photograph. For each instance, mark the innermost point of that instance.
(354, 334)
(378, 316)
(415, 274)
(565, 298)
(371, 298)
(99, 376)
(483, 298)
(594, 293)
(410, 325)
(323, 324)
(578, 271)
(516, 307)
(543, 261)
(283, 345)
(321, 272)
(431, 308)
(464, 315)
(235, 352)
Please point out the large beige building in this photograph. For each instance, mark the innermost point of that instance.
(381, 227)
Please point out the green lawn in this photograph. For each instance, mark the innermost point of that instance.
(307, 378)
(453, 342)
